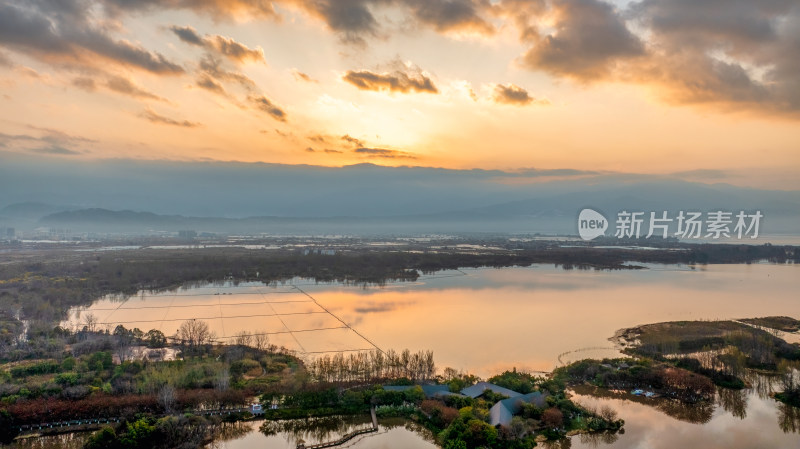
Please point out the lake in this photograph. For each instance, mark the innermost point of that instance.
(487, 320)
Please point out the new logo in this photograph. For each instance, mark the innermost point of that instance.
(591, 224)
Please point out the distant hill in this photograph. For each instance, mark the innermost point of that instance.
(32, 210)
(110, 217)
(231, 197)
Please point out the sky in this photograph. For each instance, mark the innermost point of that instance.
(704, 91)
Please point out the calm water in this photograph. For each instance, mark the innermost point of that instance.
(488, 320)
(392, 433)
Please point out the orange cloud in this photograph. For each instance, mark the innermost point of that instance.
(401, 80)
(152, 116)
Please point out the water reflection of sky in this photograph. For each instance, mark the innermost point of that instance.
(753, 421)
(487, 320)
(480, 320)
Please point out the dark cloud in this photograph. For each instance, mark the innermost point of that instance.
(6, 139)
(738, 54)
(739, 23)
(64, 31)
(265, 105)
(384, 153)
(352, 141)
(326, 150)
(85, 83)
(703, 174)
(56, 150)
(127, 87)
(734, 55)
(403, 81)
(216, 9)
(115, 83)
(234, 50)
(340, 145)
(5, 61)
(525, 14)
(213, 68)
(225, 46)
(149, 114)
(188, 35)
(451, 15)
(56, 137)
(590, 38)
(207, 82)
(354, 19)
(512, 94)
(351, 19)
(46, 141)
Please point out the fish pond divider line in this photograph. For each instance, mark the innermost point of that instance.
(196, 305)
(289, 332)
(214, 317)
(221, 319)
(294, 337)
(112, 312)
(164, 318)
(341, 321)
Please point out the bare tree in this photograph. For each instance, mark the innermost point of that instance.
(166, 398)
(607, 413)
(243, 339)
(261, 341)
(90, 322)
(223, 379)
(194, 333)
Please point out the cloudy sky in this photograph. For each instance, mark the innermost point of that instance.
(705, 90)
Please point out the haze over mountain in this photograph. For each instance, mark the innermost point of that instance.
(236, 197)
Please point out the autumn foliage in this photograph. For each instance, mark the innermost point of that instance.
(114, 406)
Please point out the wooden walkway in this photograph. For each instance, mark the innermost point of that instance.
(346, 437)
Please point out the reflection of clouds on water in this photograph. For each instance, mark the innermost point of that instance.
(493, 319)
(383, 306)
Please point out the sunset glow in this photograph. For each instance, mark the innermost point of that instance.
(546, 84)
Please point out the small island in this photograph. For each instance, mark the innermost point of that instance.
(687, 360)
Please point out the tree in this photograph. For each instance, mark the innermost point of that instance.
(194, 333)
(518, 427)
(155, 339)
(166, 398)
(90, 322)
(553, 417)
(7, 430)
(222, 381)
(243, 339)
(607, 413)
(124, 343)
(261, 341)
